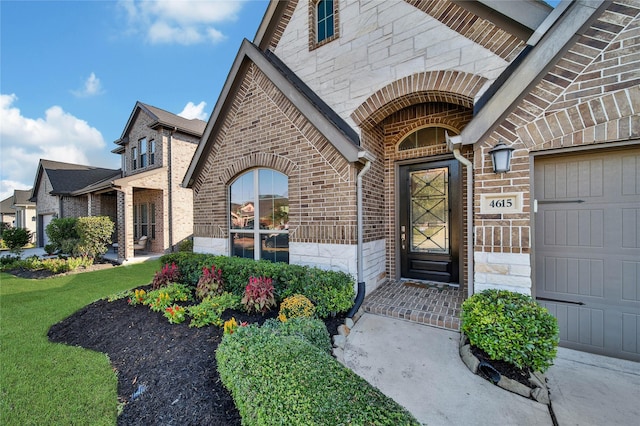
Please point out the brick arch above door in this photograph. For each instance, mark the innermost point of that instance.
(455, 87)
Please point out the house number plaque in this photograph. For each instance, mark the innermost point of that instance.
(501, 203)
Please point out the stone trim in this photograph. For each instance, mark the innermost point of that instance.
(455, 87)
(477, 29)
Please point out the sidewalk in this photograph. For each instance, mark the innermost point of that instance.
(419, 367)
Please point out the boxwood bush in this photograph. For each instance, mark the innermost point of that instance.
(331, 291)
(285, 380)
(511, 327)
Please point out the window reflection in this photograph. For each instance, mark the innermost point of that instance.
(259, 211)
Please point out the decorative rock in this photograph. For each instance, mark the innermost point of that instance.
(463, 339)
(515, 387)
(339, 341)
(343, 330)
(469, 359)
(349, 323)
(535, 380)
(338, 353)
(541, 395)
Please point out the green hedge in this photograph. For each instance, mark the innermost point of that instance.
(511, 327)
(285, 380)
(331, 291)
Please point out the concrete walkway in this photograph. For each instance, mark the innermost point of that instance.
(419, 367)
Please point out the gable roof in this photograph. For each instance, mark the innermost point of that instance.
(66, 178)
(5, 206)
(315, 110)
(162, 118)
(21, 197)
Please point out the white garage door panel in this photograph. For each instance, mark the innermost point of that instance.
(587, 248)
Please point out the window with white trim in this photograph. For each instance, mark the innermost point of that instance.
(259, 215)
(152, 152)
(142, 143)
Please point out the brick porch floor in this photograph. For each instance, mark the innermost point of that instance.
(431, 303)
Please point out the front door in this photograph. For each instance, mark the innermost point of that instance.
(429, 221)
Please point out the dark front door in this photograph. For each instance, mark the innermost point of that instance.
(429, 221)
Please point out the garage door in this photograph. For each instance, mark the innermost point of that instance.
(587, 248)
(46, 219)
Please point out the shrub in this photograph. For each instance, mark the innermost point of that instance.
(57, 266)
(139, 297)
(210, 283)
(9, 262)
(312, 330)
(49, 249)
(209, 311)
(286, 380)
(16, 239)
(185, 245)
(62, 234)
(331, 291)
(511, 327)
(296, 306)
(168, 274)
(94, 233)
(259, 295)
(76, 262)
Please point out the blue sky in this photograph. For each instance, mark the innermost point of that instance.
(72, 71)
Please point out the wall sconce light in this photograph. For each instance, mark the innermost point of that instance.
(501, 157)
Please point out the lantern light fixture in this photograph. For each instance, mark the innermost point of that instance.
(501, 157)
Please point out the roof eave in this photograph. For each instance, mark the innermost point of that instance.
(576, 17)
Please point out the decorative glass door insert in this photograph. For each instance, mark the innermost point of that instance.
(429, 212)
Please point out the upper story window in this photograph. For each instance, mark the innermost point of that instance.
(142, 143)
(152, 152)
(323, 22)
(134, 158)
(259, 216)
(124, 163)
(427, 136)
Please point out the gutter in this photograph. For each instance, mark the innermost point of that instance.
(368, 158)
(453, 144)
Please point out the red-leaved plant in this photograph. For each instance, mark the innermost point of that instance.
(169, 274)
(259, 295)
(210, 283)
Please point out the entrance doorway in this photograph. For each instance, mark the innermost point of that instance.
(429, 237)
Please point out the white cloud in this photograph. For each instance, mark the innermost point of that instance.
(92, 87)
(59, 136)
(191, 111)
(183, 22)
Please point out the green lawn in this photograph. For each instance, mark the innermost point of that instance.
(43, 383)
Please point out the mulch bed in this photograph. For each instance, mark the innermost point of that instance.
(98, 264)
(504, 368)
(166, 372)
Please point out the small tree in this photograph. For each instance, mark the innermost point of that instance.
(16, 239)
(62, 234)
(95, 235)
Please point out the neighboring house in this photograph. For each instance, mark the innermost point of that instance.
(7, 213)
(25, 210)
(155, 148)
(71, 190)
(341, 110)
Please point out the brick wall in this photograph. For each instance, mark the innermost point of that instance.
(75, 206)
(262, 129)
(590, 96)
(181, 213)
(45, 203)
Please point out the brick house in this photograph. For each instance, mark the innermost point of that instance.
(155, 148)
(7, 213)
(71, 190)
(359, 136)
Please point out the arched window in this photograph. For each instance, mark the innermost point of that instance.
(426, 136)
(324, 20)
(259, 215)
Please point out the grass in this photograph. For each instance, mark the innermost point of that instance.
(43, 383)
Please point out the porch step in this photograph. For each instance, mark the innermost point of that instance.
(429, 303)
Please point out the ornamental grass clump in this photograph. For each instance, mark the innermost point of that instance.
(511, 327)
(259, 295)
(296, 306)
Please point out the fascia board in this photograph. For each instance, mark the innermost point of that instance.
(532, 69)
